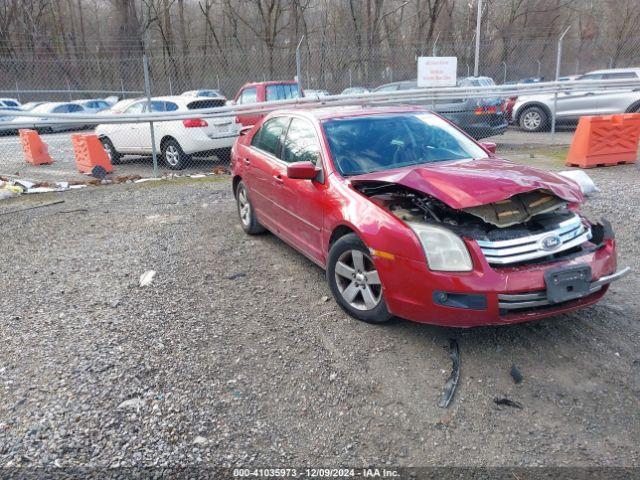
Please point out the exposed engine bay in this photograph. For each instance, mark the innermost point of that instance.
(526, 217)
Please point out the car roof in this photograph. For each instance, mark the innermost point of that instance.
(330, 112)
(615, 70)
(270, 82)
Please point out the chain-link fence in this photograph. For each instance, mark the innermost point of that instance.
(191, 83)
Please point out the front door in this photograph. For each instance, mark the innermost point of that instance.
(262, 159)
(300, 202)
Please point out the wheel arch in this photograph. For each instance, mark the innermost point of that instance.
(633, 108)
(338, 232)
(165, 139)
(528, 105)
(234, 183)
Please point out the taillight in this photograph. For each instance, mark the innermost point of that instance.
(194, 122)
(486, 110)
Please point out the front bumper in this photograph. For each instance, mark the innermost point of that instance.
(505, 288)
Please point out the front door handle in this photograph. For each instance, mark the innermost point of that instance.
(278, 179)
(247, 161)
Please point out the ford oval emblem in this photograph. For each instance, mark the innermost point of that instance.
(551, 242)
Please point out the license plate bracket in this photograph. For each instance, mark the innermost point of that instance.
(567, 283)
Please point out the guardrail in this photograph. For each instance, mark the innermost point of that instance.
(423, 95)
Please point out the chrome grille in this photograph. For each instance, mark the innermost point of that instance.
(568, 234)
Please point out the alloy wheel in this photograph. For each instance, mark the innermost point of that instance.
(532, 120)
(357, 280)
(172, 155)
(245, 207)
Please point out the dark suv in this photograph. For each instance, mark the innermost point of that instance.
(479, 117)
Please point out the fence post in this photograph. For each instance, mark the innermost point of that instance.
(18, 91)
(476, 62)
(555, 95)
(147, 89)
(298, 66)
(504, 77)
(68, 90)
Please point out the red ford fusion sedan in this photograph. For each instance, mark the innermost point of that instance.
(410, 217)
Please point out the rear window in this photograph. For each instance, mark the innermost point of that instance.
(283, 91)
(209, 103)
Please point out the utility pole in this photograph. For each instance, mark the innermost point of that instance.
(476, 62)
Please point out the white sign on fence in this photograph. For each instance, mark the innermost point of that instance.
(437, 71)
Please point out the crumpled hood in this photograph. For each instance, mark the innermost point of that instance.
(471, 183)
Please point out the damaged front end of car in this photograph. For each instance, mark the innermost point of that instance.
(533, 230)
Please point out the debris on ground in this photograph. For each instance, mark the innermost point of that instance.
(32, 207)
(235, 276)
(99, 172)
(507, 402)
(452, 382)
(516, 374)
(221, 171)
(147, 277)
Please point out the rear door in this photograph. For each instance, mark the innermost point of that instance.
(262, 164)
(572, 105)
(128, 137)
(300, 202)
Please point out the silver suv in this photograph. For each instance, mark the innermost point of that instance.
(533, 112)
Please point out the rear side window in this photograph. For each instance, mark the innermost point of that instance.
(619, 75)
(283, 91)
(212, 103)
(137, 107)
(61, 109)
(301, 143)
(269, 137)
(75, 108)
(248, 95)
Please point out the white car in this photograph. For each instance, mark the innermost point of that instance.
(44, 124)
(210, 93)
(9, 102)
(176, 140)
(533, 112)
(94, 105)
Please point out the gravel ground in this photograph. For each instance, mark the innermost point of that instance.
(237, 355)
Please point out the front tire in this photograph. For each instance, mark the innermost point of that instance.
(247, 214)
(174, 156)
(534, 119)
(354, 280)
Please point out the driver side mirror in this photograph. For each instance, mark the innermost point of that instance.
(490, 146)
(302, 171)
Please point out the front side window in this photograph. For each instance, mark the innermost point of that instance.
(269, 137)
(301, 143)
(620, 76)
(367, 144)
(248, 95)
(61, 109)
(75, 108)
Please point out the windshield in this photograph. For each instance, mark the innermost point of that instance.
(381, 142)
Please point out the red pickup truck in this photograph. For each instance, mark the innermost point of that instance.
(264, 92)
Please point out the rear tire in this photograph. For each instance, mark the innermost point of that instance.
(112, 153)
(247, 214)
(533, 119)
(174, 156)
(354, 280)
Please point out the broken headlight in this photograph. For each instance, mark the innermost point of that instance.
(445, 251)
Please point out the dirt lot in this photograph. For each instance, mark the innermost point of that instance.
(234, 355)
